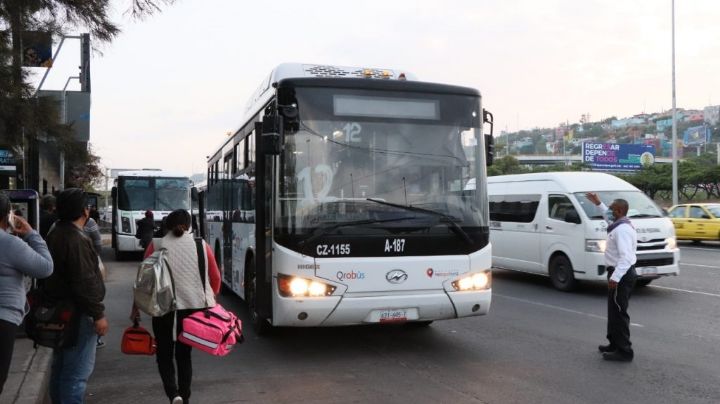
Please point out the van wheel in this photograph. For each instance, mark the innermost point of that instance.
(641, 283)
(120, 255)
(260, 325)
(561, 274)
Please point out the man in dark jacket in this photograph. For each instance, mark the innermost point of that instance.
(76, 277)
(145, 229)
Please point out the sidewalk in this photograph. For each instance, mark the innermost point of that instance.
(29, 374)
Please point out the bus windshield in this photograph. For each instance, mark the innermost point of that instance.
(148, 193)
(362, 156)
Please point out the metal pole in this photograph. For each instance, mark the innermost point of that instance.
(674, 118)
(64, 121)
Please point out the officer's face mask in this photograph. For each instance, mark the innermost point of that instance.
(610, 215)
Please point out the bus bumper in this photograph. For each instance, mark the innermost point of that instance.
(126, 242)
(353, 310)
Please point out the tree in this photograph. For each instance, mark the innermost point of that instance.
(506, 165)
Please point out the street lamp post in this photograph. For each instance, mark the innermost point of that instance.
(674, 118)
(64, 121)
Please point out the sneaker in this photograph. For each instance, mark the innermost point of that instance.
(177, 400)
(100, 343)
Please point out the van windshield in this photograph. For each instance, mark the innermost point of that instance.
(640, 206)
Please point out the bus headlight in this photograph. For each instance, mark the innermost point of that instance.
(126, 225)
(595, 245)
(671, 243)
(293, 286)
(476, 281)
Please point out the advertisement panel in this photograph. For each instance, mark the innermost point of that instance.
(617, 157)
(696, 136)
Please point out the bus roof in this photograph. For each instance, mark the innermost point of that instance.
(302, 70)
(575, 181)
(152, 173)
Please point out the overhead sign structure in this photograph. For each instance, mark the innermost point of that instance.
(617, 157)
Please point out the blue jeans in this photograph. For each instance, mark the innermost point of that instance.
(72, 367)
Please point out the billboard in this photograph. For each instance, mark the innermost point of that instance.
(77, 110)
(37, 49)
(617, 157)
(696, 136)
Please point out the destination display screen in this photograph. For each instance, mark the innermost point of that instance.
(385, 107)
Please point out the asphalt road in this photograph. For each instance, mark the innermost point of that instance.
(537, 345)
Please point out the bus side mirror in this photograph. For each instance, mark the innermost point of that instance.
(489, 140)
(113, 193)
(194, 194)
(489, 149)
(270, 130)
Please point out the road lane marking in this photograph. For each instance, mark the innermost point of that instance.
(550, 306)
(695, 292)
(700, 265)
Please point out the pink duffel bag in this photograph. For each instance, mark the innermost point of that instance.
(213, 330)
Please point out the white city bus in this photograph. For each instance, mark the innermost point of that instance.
(340, 200)
(138, 191)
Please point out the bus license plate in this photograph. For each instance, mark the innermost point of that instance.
(393, 315)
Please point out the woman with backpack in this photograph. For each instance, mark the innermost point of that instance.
(190, 295)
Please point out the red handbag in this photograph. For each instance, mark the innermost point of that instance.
(137, 340)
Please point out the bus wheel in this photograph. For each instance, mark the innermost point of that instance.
(641, 283)
(561, 273)
(260, 325)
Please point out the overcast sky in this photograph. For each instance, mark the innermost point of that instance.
(166, 91)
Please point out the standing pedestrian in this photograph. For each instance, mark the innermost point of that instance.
(620, 261)
(47, 214)
(22, 253)
(145, 229)
(77, 278)
(92, 230)
(190, 296)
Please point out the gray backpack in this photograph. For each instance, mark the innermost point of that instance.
(154, 289)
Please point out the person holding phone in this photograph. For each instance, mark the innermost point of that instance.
(22, 253)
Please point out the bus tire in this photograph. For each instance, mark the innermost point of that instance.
(561, 273)
(261, 326)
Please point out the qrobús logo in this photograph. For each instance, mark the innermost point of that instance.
(350, 276)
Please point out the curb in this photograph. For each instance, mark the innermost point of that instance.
(34, 384)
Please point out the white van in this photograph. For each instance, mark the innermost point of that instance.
(542, 223)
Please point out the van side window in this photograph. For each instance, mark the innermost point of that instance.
(514, 208)
(559, 206)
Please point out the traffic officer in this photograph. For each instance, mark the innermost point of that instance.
(620, 261)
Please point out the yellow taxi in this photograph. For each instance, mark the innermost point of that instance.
(696, 221)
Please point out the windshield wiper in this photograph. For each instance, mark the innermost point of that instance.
(443, 218)
(320, 231)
